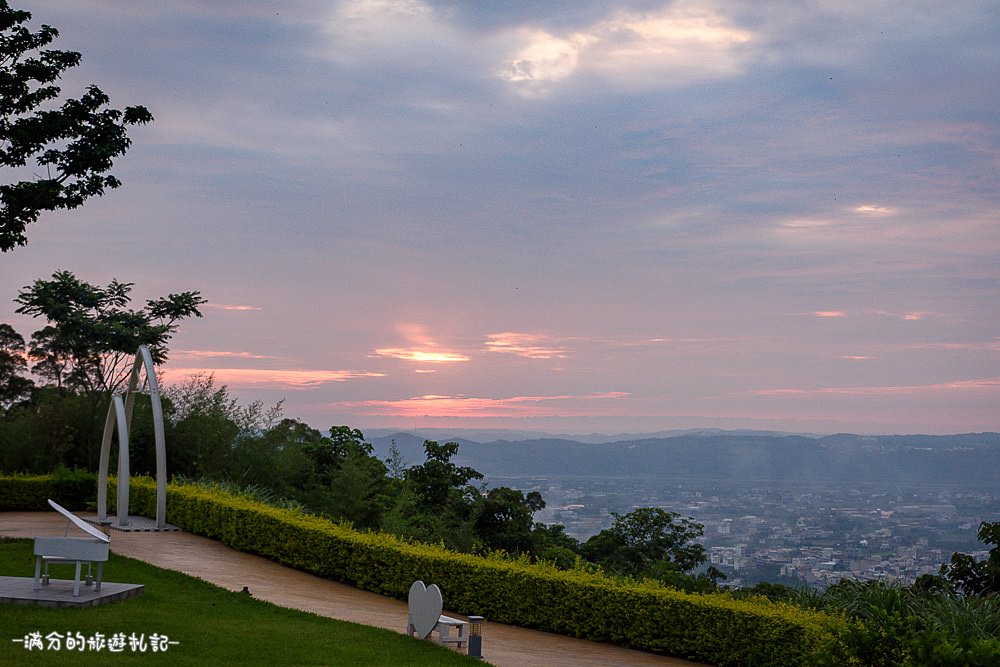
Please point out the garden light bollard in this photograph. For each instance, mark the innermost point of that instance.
(476, 636)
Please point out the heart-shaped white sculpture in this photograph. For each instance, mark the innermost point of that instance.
(425, 607)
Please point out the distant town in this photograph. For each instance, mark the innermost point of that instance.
(788, 535)
(775, 507)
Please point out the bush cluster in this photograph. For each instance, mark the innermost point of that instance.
(73, 489)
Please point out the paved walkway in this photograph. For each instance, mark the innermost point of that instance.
(503, 645)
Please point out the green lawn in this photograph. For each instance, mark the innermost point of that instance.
(211, 625)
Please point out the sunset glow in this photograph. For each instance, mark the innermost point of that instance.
(524, 345)
(222, 306)
(426, 356)
(469, 406)
(248, 377)
(987, 384)
(214, 354)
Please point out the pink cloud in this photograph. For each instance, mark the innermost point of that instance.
(986, 384)
(223, 306)
(421, 348)
(426, 356)
(989, 346)
(829, 313)
(523, 345)
(874, 210)
(268, 378)
(214, 354)
(433, 405)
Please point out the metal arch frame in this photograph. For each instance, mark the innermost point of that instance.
(120, 413)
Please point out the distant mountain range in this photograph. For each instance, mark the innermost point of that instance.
(496, 434)
(954, 461)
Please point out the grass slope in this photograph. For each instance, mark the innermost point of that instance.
(213, 626)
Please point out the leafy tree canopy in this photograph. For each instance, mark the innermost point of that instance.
(438, 478)
(977, 577)
(504, 520)
(92, 334)
(14, 387)
(74, 144)
(644, 537)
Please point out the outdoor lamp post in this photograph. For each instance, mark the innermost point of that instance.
(476, 636)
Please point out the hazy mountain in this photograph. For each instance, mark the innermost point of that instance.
(494, 435)
(971, 460)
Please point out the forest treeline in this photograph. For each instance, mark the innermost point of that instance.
(214, 439)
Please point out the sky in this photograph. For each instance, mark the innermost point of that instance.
(563, 216)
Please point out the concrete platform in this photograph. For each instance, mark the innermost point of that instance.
(136, 524)
(59, 593)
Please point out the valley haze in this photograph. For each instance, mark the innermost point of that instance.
(776, 507)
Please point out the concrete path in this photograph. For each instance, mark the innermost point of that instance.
(503, 645)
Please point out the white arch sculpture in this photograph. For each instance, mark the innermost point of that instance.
(120, 413)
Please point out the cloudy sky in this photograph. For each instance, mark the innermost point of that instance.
(571, 216)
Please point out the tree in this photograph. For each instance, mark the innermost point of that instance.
(13, 386)
(92, 335)
(434, 502)
(551, 543)
(271, 456)
(74, 144)
(438, 481)
(329, 453)
(504, 520)
(977, 578)
(347, 480)
(645, 537)
(394, 463)
(205, 426)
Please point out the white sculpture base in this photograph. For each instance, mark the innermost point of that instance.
(136, 524)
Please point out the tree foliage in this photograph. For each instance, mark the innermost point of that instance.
(346, 480)
(438, 480)
(504, 519)
(977, 577)
(73, 144)
(92, 335)
(14, 387)
(644, 537)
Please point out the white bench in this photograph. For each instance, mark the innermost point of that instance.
(443, 631)
(424, 606)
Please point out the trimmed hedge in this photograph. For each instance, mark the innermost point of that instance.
(709, 628)
(73, 489)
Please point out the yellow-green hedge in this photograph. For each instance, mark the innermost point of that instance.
(73, 489)
(710, 628)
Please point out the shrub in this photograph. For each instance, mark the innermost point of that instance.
(73, 489)
(914, 626)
